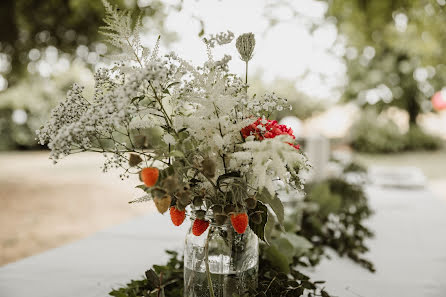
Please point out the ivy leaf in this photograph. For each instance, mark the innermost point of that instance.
(259, 229)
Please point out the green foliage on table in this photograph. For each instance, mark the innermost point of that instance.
(168, 281)
(373, 133)
(395, 51)
(331, 216)
(338, 221)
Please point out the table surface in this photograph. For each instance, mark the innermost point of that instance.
(409, 251)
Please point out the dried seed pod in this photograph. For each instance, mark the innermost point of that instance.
(163, 204)
(256, 218)
(208, 167)
(251, 203)
(184, 197)
(158, 192)
(245, 46)
(170, 184)
(217, 209)
(198, 201)
(180, 206)
(134, 160)
(220, 219)
(229, 208)
(200, 214)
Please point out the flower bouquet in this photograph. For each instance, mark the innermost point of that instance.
(202, 148)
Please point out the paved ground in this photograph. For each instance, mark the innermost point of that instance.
(408, 252)
(43, 205)
(433, 165)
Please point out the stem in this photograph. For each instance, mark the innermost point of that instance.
(206, 255)
(221, 134)
(246, 76)
(134, 52)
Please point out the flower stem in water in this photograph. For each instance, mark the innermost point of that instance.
(206, 255)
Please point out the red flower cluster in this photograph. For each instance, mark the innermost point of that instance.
(270, 129)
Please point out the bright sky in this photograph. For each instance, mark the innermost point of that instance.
(286, 50)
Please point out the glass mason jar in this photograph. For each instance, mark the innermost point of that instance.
(233, 261)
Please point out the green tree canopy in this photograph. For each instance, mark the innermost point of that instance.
(64, 24)
(395, 51)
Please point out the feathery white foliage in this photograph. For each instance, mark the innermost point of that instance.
(122, 33)
(267, 160)
(176, 114)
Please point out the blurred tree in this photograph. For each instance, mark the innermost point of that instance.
(28, 27)
(394, 53)
(303, 106)
(45, 46)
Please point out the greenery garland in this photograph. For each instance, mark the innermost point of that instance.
(167, 281)
(331, 216)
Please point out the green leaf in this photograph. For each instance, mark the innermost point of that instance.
(176, 153)
(269, 227)
(137, 99)
(172, 84)
(153, 279)
(277, 258)
(275, 204)
(300, 244)
(144, 188)
(328, 202)
(324, 294)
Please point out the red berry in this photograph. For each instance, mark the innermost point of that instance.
(239, 221)
(149, 176)
(199, 227)
(177, 216)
